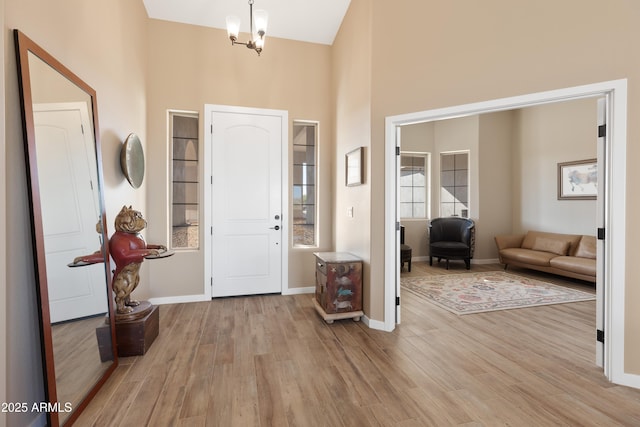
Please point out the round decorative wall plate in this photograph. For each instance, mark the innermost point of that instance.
(132, 160)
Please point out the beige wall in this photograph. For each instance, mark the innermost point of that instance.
(545, 136)
(469, 52)
(496, 175)
(351, 80)
(104, 43)
(197, 66)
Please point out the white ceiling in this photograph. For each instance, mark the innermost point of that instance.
(304, 20)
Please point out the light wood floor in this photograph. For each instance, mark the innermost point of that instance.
(77, 359)
(271, 361)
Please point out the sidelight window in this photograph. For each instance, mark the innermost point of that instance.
(305, 155)
(185, 214)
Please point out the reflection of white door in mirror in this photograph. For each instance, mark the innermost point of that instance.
(70, 208)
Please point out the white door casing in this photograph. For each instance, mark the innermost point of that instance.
(600, 223)
(246, 207)
(70, 209)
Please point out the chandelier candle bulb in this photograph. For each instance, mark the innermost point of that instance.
(233, 27)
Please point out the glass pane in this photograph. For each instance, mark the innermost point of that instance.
(185, 127)
(406, 194)
(419, 210)
(419, 195)
(461, 210)
(185, 171)
(406, 210)
(303, 235)
(461, 194)
(309, 194)
(185, 192)
(184, 215)
(297, 194)
(462, 161)
(406, 178)
(185, 149)
(447, 162)
(447, 179)
(185, 237)
(305, 214)
(304, 175)
(447, 209)
(303, 154)
(461, 177)
(447, 194)
(419, 179)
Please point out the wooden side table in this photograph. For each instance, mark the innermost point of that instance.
(338, 286)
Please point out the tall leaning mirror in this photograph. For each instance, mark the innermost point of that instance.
(64, 174)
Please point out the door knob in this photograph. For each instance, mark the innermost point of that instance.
(277, 227)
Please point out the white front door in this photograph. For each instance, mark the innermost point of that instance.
(247, 202)
(70, 209)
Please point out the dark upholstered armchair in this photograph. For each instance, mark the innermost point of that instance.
(451, 238)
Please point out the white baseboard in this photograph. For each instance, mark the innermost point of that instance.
(473, 261)
(198, 298)
(374, 324)
(485, 261)
(179, 299)
(626, 379)
(298, 291)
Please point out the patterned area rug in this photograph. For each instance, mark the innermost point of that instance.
(468, 293)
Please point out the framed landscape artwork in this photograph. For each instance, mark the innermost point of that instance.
(578, 180)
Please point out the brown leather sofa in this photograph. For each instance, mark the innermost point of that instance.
(570, 255)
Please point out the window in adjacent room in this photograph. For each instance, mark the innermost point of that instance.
(454, 184)
(185, 216)
(414, 185)
(305, 155)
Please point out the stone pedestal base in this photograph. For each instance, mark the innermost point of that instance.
(134, 337)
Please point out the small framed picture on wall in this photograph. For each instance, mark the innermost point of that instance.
(353, 164)
(578, 180)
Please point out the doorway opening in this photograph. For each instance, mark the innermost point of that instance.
(613, 280)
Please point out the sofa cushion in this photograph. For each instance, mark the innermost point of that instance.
(526, 256)
(531, 236)
(586, 247)
(547, 244)
(574, 264)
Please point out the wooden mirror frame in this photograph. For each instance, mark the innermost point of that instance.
(24, 46)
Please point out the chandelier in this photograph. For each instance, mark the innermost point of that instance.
(258, 29)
